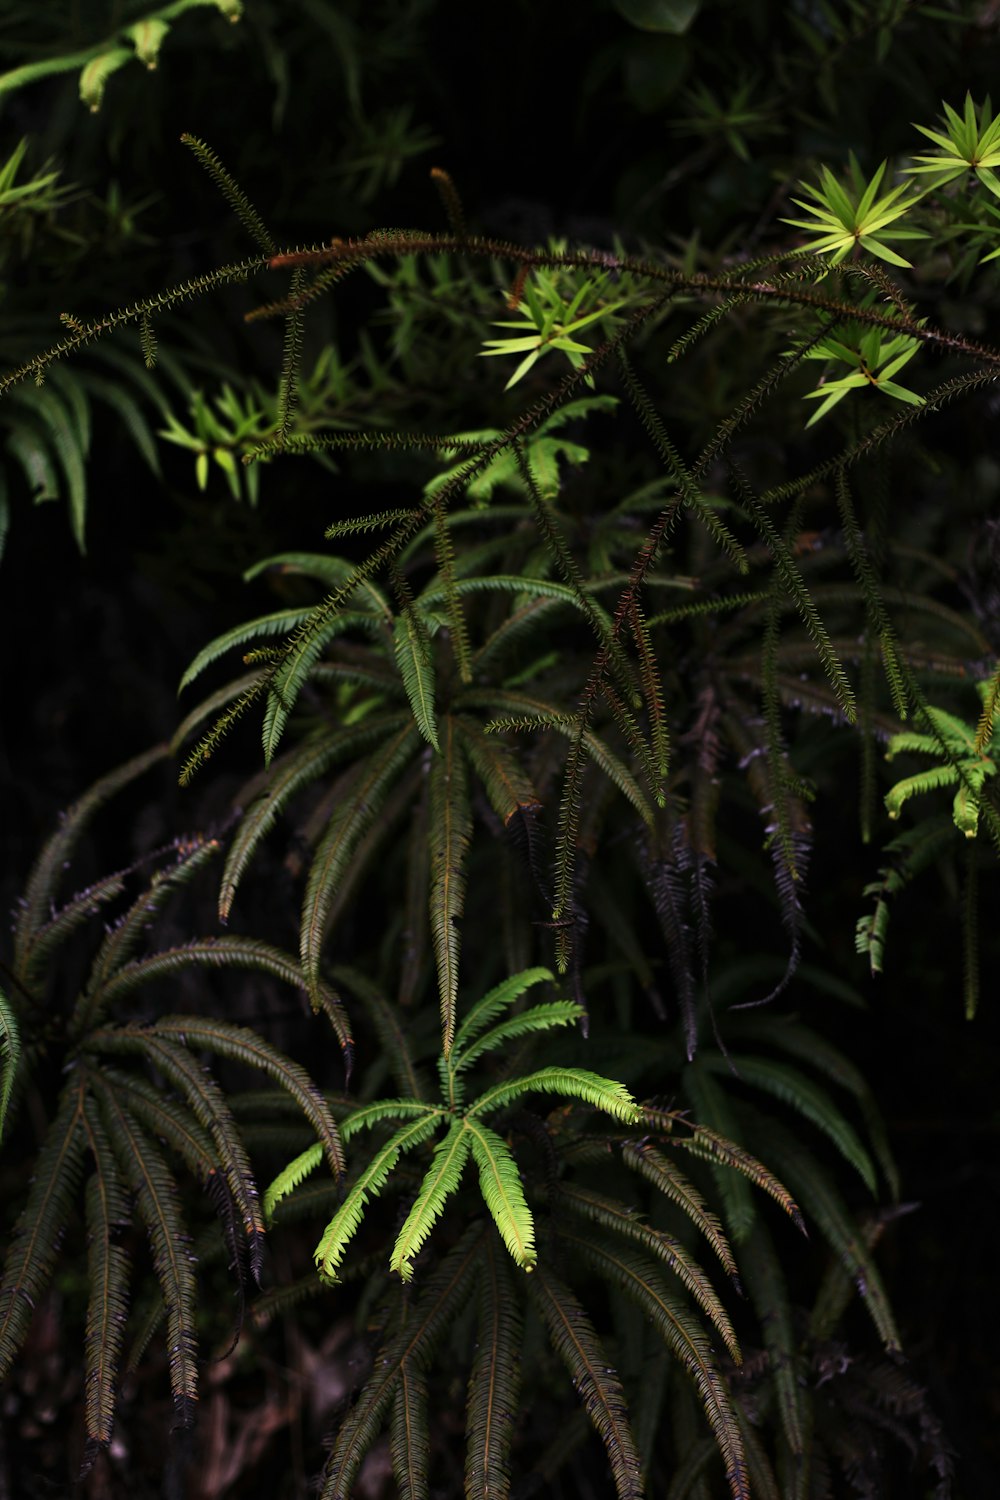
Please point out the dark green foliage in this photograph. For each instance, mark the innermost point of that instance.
(570, 712)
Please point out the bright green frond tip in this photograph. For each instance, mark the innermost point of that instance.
(964, 755)
(461, 1130)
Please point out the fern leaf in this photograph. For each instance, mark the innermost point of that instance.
(209, 1107)
(661, 1172)
(642, 1283)
(280, 622)
(241, 1044)
(767, 1288)
(346, 1221)
(10, 1056)
(441, 1180)
(289, 1178)
(503, 1194)
(350, 821)
(496, 1001)
(168, 1120)
(158, 1203)
(984, 729)
(603, 1093)
(286, 776)
(449, 836)
(820, 1199)
(620, 1220)
(414, 657)
(367, 1116)
(107, 1213)
(585, 1357)
(712, 1103)
(426, 1325)
(507, 786)
(34, 1244)
(494, 1380)
(539, 1018)
(711, 1146)
(392, 1038)
(43, 883)
(798, 1091)
(409, 1435)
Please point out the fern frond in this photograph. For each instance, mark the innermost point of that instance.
(64, 922)
(392, 1038)
(800, 1093)
(241, 1044)
(426, 1324)
(711, 1146)
(578, 1346)
(34, 1244)
(376, 521)
(43, 883)
(409, 1433)
(232, 192)
(441, 1180)
(369, 789)
(289, 1178)
(107, 1214)
(158, 1204)
(494, 1380)
(166, 1119)
(415, 659)
(495, 1002)
(449, 835)
(767, 1288)
(307, 762)
(820, 1199)
(590, 1088)
(10, 1056)
(506, 783)
(620, 1220)
(503, 1194)
(658, 1169)
(278, 623)
(642, 1283)
(538, 1018)
(990, 691)
(209, 1107)
(346, 1221)
(652, 687)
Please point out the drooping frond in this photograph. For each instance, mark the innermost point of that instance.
(597, 1383)
(409, 1433)
(644, 1157)
(349, 822)
(494, 1380)
(241, 1044)
(345, 1222)
(590, 1088)
(63, 923)
(125, 936)
(391, 1035)
(10, 1056)
(34, 1244)
(641, 1282)
(426, 1323)
(286, 776)
(209, 1107)
(502, 1192)
(623, 1221)
(711, 1146)
(441, 1180)
(820, 1200)
(415, 659)
(158, 1204)
(507, 784)
(795, 1089)
(289, 1178)
(767, 1289)
(280, 622)
(107, 1214)
(43, 883)
(449, 833)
